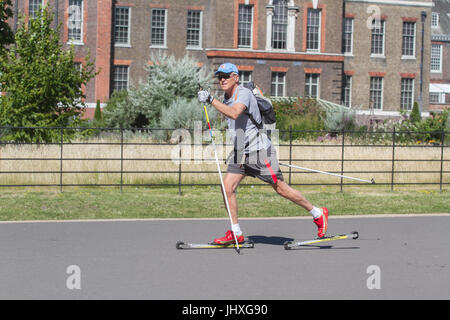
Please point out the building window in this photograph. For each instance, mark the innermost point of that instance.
(194, 29)
(245, 77)
(120, 78)
(78, 66)
(376, 93)
(313, 30)
(312, 85)
(437, 97)
(278, 84)
(245, 26)
(348, 35)
(377, 44)
(435, 19)
(75, 23)
(122, 26)
(407, 94)
(409, 39)
(279, 24)
(159, 27)
(434, 97)
(436, 58)
(34, 6)
(347, 94)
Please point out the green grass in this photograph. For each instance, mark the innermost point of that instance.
(206, 202)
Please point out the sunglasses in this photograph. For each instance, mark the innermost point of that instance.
(225, 76)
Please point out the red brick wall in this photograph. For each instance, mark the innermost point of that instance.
(103, 49)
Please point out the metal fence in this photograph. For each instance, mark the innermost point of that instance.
(120, 157)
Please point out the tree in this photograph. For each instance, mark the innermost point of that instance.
(6, 34)
(41, 81)
(98, 117)
(415, 113)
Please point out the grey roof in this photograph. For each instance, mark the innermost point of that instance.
(441, 33)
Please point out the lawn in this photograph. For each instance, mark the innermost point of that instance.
(206, 202)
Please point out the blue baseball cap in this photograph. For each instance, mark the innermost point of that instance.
(227, 68)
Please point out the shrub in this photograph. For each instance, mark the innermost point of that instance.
(114, 113)
(298, 114)
(415, 115)
(169, 79)
(98, 118)
(340, 120)
(183, 113)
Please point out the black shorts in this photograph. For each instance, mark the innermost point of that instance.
(262, 165)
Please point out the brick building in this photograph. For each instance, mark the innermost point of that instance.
(440, 56)
(364, 53)
(384, 62)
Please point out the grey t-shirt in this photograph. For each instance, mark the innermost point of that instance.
(245, 134)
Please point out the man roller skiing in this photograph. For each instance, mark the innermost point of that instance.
(253, 153)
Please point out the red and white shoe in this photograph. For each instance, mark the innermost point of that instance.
(322, 223)
(229, 238)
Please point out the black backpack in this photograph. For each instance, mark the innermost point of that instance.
(264, 104)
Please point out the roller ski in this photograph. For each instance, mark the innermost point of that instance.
(288, 245)
(229, 241)
(212, 245)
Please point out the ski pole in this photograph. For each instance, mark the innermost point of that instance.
(372, 181)
(221, 180)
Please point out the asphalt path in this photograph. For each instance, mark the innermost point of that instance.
(395, 257)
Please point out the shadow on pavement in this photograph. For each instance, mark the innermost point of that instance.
(279, 241)
(273, 240)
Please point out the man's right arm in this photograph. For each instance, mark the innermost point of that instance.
(232, 112)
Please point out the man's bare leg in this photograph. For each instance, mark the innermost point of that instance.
(231, 182)
(286, 191)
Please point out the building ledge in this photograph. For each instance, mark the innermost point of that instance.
(440, 37)
(397, 3)
(271, 55)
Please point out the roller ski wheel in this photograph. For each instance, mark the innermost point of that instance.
(287, 245)
(180, 245)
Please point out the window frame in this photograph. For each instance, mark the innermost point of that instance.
(309, 84)
(252, 12)
(379, 34)
(283, 26)
(408, 36)
(375, 90)
(164, 28)
(128, 43)
(278, 75)
(347, 87)
(200, 30)
(440, 96)
(31, 4)
(245, 77)
(115, 80)
(318, 32)
(435, 19)
(348, 34)
(410, 91)
(440, 58)
(70, 40)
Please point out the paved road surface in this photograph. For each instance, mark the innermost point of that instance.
(138, 260)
